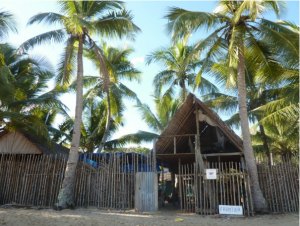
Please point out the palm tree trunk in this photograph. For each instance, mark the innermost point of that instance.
(265, 145)
(106, 84)
(66, 193)
(108, 122)
(260, 204)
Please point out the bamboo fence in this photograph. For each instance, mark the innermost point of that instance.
(32, 180)
(280, 185)
(108, 181)
(203, 196)
(103, 181)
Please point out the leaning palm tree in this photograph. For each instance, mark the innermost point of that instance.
(119, 69)
(109, 112)
(236, 25)
(261, 89)
(79, 20)
(180, 63)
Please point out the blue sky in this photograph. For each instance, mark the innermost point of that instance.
(148, 15)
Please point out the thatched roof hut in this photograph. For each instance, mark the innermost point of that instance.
(217, 140)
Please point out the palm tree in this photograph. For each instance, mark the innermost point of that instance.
(165, 108)
(95, 130)
(261, 89)
(237, 25)
(7, 23)
(119, 69)
(79, 20)
(92, 128)
(283, 139)
(25, 103)
(180, 63)
(286, 103)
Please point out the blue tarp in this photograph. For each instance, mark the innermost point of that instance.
(142, 167)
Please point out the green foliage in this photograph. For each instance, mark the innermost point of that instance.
(26, 103)
(7, 23)
(180, 63)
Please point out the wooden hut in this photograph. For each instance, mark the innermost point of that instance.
(196, 139)
(16, 142)
(178, 141)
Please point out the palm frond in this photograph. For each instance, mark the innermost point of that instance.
(118, 24)
(48, 18)
(134, 138)
(7, 23)
(181, 22)
(47, 37)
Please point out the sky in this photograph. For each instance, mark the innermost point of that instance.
(148, 15)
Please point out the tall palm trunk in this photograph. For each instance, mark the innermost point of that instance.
(66, 193)
(265, 145)
(259, 201)
(184, 91)
(108, 121)
(106, 84)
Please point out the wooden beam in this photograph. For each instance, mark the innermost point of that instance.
(174, 145)
(223, 154)
(198, 156)
(204, 155)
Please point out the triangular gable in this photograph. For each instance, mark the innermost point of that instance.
(183, 122)
(17, 143)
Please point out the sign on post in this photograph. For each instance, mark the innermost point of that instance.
(232, 210)
(211, 174)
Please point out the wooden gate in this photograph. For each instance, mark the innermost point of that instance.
(203, 196)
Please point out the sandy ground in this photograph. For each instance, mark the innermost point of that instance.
(93, 217)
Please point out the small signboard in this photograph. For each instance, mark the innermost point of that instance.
(211, 174)
(232, 210)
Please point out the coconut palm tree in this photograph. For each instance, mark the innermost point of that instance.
(25, 101)
(180, 63)
(286, 103)
(95, 130)
(237, 25)
(7, 24)
(119, 69)
(261, 89)
(165, 108)
(79, 20)
(283, 139)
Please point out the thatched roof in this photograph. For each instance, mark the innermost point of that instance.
(184, 123)
(20, 143)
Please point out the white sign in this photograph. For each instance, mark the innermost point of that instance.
(211, 174)
(227, 209)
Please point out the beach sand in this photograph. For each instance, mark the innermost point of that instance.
(94, 217)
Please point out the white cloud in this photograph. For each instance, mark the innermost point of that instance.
(137, 60)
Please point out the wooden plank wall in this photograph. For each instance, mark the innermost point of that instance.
(280, 185)
(106, 182)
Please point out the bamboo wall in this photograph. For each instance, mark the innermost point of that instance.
(280, 185)
(204, 196)
(32, 180)
(108, 182)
